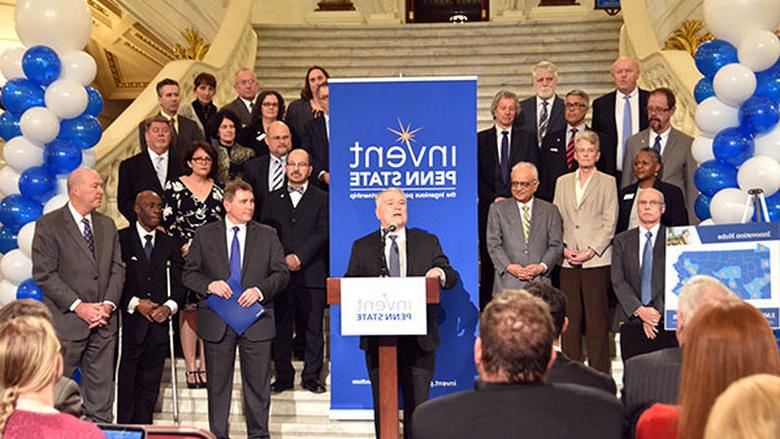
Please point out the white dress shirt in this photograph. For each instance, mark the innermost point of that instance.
(171, 304)
(619, 104)
(241, 245)
(295, 196)
(401, 241)
(500, 138)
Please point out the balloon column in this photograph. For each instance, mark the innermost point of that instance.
(49, 127)
(738, 111)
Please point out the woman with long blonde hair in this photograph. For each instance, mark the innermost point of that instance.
(30, 364)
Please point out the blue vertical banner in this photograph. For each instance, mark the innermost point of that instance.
(418, 134)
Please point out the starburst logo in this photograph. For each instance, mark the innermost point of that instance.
(406, 134)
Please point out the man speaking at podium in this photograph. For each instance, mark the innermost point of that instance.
(397, 251)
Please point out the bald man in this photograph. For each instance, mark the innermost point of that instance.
(267, 173)
(78, 264)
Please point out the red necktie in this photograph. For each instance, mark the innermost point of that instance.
(570, 149)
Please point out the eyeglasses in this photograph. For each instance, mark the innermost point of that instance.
(270, 104)
(654, 203)
(523, 184)
(297, 165)
(247, 82)
(201, 159)
(658, 109)
(575, 106)
(286, 137)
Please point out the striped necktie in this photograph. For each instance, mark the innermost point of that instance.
(278, 175)
(544, 119)
(570, 149)
(526, 222)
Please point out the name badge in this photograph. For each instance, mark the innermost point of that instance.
(553, 149)
(628, 196)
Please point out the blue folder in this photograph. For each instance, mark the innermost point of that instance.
(236, 316)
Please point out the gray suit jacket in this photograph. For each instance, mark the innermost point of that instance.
(679, 166)
(507, 245)
(237, 106)
(263, 267)
(626, 273)
(65, 269)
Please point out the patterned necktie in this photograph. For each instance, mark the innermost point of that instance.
(291, 189)
(543, 121)
(570, 149)
(526, 222)
(394, 262)
(504, 162)
(657, 144)
(148, 247)
(235, 257)
(278, 175)
(647, 269)
(626, 127)
(88, 236)
(174, 126)
(160, 170)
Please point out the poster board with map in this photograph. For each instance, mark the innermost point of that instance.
(744, 257)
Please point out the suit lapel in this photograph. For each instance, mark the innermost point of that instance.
(138, 248)
(659, 258)
(590, 188)
(147, 163)
(514, 217)
(73, 230)
(410, 252)
(249, 248)
(633, 259)
(221, 243)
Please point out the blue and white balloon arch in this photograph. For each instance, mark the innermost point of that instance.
(49, 126)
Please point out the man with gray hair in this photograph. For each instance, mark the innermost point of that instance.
(245, 84)
(523, 233)
(513, 354)
(655, 377)
(542, 113)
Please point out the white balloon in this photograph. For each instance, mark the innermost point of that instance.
(701, 150)
(62, 185)
(16, 267)
(78, 66)
(25, 238)
(88, 158)
(11, 63)
(713, 115)
(759, 172)
(66, 98)
(728, 205)
(768, 144)
(20, 154)
(7, 292)
(734, 83)
(730, 19)
(9, 181)
(62, 25)
(707, 222)
(40, 125)
(55, 203)
(758, 50)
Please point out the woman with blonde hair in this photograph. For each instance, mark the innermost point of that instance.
(30, 364)
(748, 409)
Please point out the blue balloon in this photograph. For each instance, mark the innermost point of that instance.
(61, 156)
(702, 207)
(41, 64)
(8, 240)
(29, 290)
(703, 89)
(713, 55)
(20, 94)
(758, 114)
(713, 176)
(94, 102)
(773, 206)
(9, 126)
(18, 210)
(733, 146)
(84, 131)
(768, 84)
(37, 183)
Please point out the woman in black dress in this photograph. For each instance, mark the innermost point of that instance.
(268, 108)
(231, 156)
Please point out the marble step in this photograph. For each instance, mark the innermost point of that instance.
(287, 426)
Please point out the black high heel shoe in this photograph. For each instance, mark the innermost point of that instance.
(201, 379)
(194, 384)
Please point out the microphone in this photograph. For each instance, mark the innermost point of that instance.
(392, 228)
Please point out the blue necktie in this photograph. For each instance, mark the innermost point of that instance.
(235, 257)
(394, 262)
(657, 144)
(626, 126)
(504, 156)
(647, 270)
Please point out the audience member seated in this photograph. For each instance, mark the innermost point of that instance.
(202, 108)
(231, 156)
(726, 341)
(191, 201)
(302, 110)
(268, 108)
(28, 371)
(564, 370)
(748, 409)
(647, 169)
(655, 377)
(512, 354)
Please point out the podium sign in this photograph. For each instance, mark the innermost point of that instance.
(383, 306)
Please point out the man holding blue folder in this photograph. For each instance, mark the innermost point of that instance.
(237, 266)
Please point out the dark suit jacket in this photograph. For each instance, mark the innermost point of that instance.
(67, 398)
(237, 106)
(564, 370)
(604, 124)
(527, 118)
(552, 162)
(315, 141)
(65, 270)
(650, 378)
(626, 273)
(675, 214)
(136, 174)
(148, 280)
(256, 174)
(303, 231)
(520, 411)
(189, 132)
(423, 252)
(263, 267)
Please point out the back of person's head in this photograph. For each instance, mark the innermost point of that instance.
(554, 298)
(29, 360)
(24, 308)
(726, 340)
(696, 292)
(748, 409)
(515, 340)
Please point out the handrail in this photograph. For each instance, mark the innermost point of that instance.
(234, 47)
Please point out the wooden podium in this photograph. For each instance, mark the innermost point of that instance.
(388, 360)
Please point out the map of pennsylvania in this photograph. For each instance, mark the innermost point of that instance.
(746, 272)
